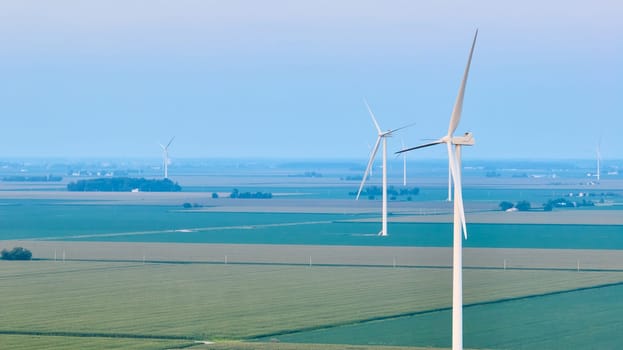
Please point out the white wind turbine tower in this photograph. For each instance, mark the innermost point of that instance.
(165, 158)
(459, 213)
(382, 136)
(371, 169)
(599, 161)
(404, 165)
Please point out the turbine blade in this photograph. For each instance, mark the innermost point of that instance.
(400, 128)
(169, 144)
(376, 124)
(458, 188)
(458, 104)
(370, 162)
(451, 163)
(462, 212)
(421, 146)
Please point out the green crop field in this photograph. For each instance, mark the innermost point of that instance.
(299, 346)
(583, 319)
(265, 292)
(53, 220)
(218, 302)
(47, 342)
(49, 219)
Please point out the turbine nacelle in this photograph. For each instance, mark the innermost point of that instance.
(466, 140)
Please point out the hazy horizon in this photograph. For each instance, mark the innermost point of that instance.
(278, 79)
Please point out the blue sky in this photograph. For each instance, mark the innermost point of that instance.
(288, 78)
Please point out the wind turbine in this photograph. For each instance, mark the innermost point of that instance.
(599, 160)
(404, 165)
(454, 159)
(382, 137)
(165, 157)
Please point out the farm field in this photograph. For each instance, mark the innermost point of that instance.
(49, 342)
(318, 255)
(28, 342)
(583, 319)
(300, 346)
(139, 271)
(219, 302)
(51, 220)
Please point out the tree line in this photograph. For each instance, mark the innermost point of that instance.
(372, 191)
(124, 184)
(258, 195)
(547, 206)
(42, 178)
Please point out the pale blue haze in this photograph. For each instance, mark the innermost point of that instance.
(287, 78)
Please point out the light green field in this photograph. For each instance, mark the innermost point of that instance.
(217, 302)
(292, 346)
(28, 342)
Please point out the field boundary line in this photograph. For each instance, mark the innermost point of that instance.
(165, 231)
(424, 312)
(97, 335)
(135, 264)
(306, 264)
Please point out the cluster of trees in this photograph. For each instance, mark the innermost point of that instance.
(565, 203)
(42, 178)
(372, 191)
(17, 253)
(124, 184)
(520, 206)
(549, 206)
(188, 205)
(261, 195)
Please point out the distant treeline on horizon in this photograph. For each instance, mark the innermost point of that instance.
(124, 184)
(43, 178)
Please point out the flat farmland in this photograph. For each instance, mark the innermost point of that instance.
(216, 302)
(331, 255)
(51, 342)
(583, 319)
(141, 272)
(60, 220)
(273, 345)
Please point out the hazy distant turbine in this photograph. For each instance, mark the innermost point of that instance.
(459, 213)
(382, 137)
(599, 160)
(404, 165)
(165, 158)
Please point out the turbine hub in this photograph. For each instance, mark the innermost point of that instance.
(466, 140)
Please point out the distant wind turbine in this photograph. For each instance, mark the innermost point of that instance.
(599, 160)
(382, 137)
(165, 158)
(459, 213)
(404, 165)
